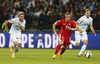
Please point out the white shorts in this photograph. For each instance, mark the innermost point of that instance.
(80, 36)
(15, 37)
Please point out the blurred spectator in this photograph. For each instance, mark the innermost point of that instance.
(12, 2)
(8, 7)
(56, 2)
(96, 11)
(65, 1)
(45, 12)
(61, 6)
(49, 11)
(37, 12)
(98, 20)
(0, 10)
(45, 7)
(42, 20)
(5, 17)
(4, 8)
(49, 2)
(12, 9)
(57, 11)
(94, 19)
(28, 19)
(17, 3)
(20, 8)
(92, 7)
(11, 15)
(70, 2)
(66, 8)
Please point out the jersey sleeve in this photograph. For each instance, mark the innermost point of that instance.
(74, 24)
(24, 23)
(91, 23)
(58, 22)
(80, 20)
(12, 20)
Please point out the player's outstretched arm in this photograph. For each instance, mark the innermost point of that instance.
(92, 29)
(6, 23)
(54, 29)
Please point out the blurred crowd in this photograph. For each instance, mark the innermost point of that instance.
(41, 14)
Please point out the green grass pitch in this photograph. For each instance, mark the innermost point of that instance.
(44, 56)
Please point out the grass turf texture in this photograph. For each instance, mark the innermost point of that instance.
(44, 56)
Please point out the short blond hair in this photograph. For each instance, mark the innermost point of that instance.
(21, 13)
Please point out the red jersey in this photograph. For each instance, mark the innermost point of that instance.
(64, 27)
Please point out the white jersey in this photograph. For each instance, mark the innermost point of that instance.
(84, 22)
(14, 28)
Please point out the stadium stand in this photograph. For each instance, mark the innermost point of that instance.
(41, 14)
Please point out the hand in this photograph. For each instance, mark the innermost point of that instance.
(4, 30)
(55, 34)
(69, 28)
(94, 34)
(19, 25)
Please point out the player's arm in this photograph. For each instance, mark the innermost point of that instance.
(92, 29)
(73, 29)
(54, 29)
(21, 27)
(78, 27)
(59, 22)
(6, 23)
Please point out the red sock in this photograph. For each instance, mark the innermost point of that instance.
(57, 48)
(62, 50)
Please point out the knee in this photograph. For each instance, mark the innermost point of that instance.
(61, 43)
(86, 43)
(77, 44)
(64, 47)
(15, 43)
(19, 45)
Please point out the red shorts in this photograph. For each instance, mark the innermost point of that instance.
(64, 39)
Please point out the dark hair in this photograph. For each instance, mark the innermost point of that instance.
(67, 13)
(87, 10)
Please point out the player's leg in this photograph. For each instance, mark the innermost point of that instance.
(62, 51)
(61, 42)
(85, 43)
(77, 40)
(16, 50)
(18, 45)
(57, 49)
(12, 45)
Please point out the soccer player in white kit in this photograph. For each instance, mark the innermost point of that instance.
(18, 24)
(83, 23)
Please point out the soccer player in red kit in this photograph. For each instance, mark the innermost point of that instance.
(67, 26)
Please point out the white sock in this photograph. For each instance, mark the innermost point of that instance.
(12, 44)
(82, 49)
(16, 50)
(73, 42)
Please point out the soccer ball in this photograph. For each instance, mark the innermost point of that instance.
(88, 54)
